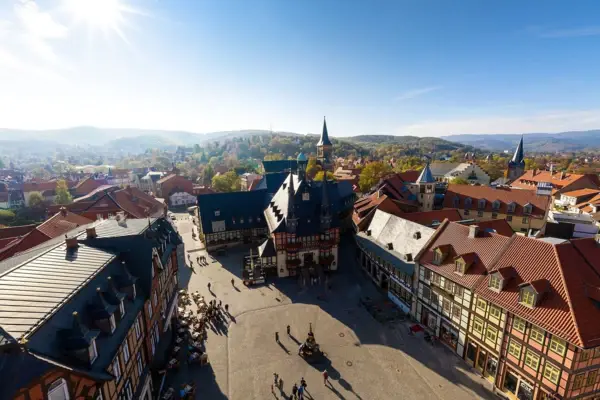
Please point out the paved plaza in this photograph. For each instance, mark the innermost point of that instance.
(365, 359)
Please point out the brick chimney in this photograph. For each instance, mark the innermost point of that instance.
(473, 231)
(63, 211)
(91, 232)
(534, 172)
(71, 242)
(562, 175)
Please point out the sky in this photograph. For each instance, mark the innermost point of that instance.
(399, 67)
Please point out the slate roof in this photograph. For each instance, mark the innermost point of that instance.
(565, 278)
(518, 156)
(490, 194)
(32, 292)
(454, 238)
(267, 248)
(233, 206)
(406, 237)
(307, 211)
(279, 166)
(324, 139)
(271, 182)
(426, 176)
(428, 218)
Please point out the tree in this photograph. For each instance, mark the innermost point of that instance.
(319, 176)
(208, 174)
(197, 149)
(6, 217)
(36, 200)
(227, 182)
(460, 181)
(312, 168)
(372, 174)
(63, 196)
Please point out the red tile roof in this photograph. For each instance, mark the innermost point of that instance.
(166, 178)
(505, 196)
(428, 217)
(14, 231)
(581, 193)
(562, 275)
(530, 178)
(501, 226)
(43, 186)
(455, 238)
(137, 203)
(365, 207)
(87, 185)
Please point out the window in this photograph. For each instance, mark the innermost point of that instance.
(527, 297)
(455, 201)
(494, 215)
(495, 282)
(591, 379)
(495, 312)
(122, 308)
(558, 345)
(514, 349)
(466, 212)
(126, 354)
(468, 202)
(427, 274)
(140, 363)
(458, 291)
(217, 213)
(58, 390)
(113, 325)
(481, 203)
(138, 328)
(437, 257)
(551, 373)
(496, 205)
(426, 292)
(127, 393)
(525, 220)
(149, 308)
(481, 304)
(527, 209)
(155, 299)
(460, 267)
(584, 355)
(93, 351)
(446, 305)
(578, 381)
(456, 311)
(511, 207)
(537, 334)
(480, 213)
(519, 324)
(491, 334)
(509, 218)
(478, 325)
(532, 360)
(116, 369)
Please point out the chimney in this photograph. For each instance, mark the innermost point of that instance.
(71, 242)
(91, 232)
(63, 211)
(473, 231)
(121, 219)
(562, 175)
(534, 172)
(551, 169)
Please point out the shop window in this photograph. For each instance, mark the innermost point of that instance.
(514, 349)
(551, 373)
(558, 345)
(510, 382)
(532, 360)
(519, 324)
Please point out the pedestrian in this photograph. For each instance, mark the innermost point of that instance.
(301, 392)
(325, 377)
(227, 308)
(303, 383)
(295, 390)
(277, 337)
(232, 282)
(275, 378)
(220, 302)
(288, 330)
(209, 286)
(300, 349)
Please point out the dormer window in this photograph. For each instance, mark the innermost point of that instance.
(59, 390)
(496, 205)
(527, 297)
(92, 351)
(217, 213)
(455, 201)
(481, 204)
(468, 202)
(459, 266)
(495, 283)
(305, 196)
(390, 246)
(511, 207)
(113, 325)
(528, 208)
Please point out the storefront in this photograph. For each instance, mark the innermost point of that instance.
(482, 360)
(449, 335)
(515, 387)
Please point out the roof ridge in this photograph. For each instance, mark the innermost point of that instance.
(432, 238)
(568, 295)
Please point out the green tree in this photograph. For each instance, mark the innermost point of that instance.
(312, 168)
(319, 176)
(197, 149)
(36, 200)
(63, 196)
(6, 217)
(227, 182)
(208, 174)
(371, 174)
(460, 181)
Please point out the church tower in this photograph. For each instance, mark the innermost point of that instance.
(425, 189)
(516, 166)
(324, 148)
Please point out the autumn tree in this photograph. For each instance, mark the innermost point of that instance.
(63, 196)
(319, 176)
(36, 200)
(372, 174)
(227, 182)
(312, 168)
(460, 181)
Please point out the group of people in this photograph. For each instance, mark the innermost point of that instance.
(201, 260)
(297, 391)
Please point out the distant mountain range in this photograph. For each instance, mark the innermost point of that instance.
(439, 144)
(533, 142)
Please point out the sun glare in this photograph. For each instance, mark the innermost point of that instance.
(99, 13)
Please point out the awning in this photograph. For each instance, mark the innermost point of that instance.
(171, 311)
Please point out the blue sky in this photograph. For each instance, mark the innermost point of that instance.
(426, 68)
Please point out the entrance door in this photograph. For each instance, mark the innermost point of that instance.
(481, 360)
(471, 353)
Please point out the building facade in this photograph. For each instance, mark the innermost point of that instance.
(469, 171)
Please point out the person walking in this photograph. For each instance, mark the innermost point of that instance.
(301, 392)
(209, 286)
(295, 391)
(275, 378)
(227, 308)
(232, 282)
(288, 330)
(277, 337)
(220, 303)
(325, 377)
(303, 383)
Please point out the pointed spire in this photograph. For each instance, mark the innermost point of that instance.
(426, 175)
(324, 140)
(291, 220)
(518, 156)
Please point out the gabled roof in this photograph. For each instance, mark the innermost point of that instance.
(429, 218)
(499, 226)
(562, 275)
(504, 195)
(455, 239)
(579, 193)
(238, 210)
(557, 179)
(166, 178)
(267, 248)
(87, 185)
(14, 231)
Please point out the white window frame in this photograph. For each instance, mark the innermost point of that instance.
(149, 309)
(122, 308)
(126, 353)
(138, 328)
(128, 390)
(134, 291)
(93, 351)
(140, 363)
(113, 324)
(59, 387)
(116, 368)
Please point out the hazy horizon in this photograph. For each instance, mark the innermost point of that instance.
(431, 68)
